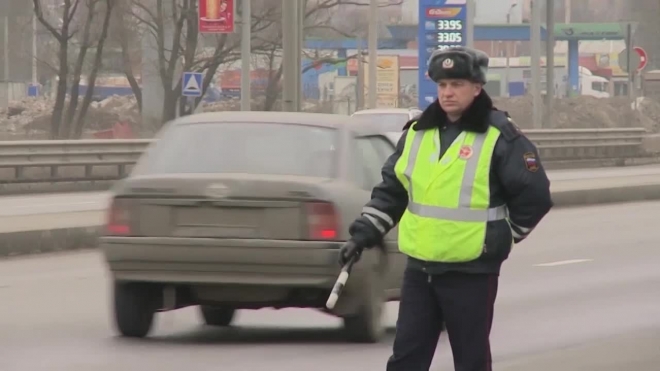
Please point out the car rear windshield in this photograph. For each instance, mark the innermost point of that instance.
(388, 121)
(249, 148)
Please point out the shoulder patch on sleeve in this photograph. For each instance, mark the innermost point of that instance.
(501, 120)
(531, 162)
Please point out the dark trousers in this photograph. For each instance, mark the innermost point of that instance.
(464, 302)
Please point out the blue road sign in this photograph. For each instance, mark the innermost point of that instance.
(192, 84)
(441, 25)
(33, 90)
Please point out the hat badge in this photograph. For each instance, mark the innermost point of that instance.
(448, 63)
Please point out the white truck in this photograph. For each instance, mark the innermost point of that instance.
(592, 85)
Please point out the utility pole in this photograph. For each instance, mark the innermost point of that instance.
(301, 46)
(35, 77)
(631, 69)
(536, 64)
(373, 53)
(289, 37)
(550, 63)
(469, 20)
(246, 54)
(359, 84)
(6, 46)
(507, 74)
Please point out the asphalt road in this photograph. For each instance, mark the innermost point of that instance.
(583, 294)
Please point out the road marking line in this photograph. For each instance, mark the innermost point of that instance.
(563, 262)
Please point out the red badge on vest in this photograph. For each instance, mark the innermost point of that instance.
(465, 152)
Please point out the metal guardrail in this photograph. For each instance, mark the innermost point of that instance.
(44, 161)
(577, 144)
(47, 161)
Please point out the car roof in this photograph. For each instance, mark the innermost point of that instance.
(386, 110)
(394, 136)
(359, 125)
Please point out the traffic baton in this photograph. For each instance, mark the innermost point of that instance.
(341, 280)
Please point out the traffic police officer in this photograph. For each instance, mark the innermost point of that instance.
(464, 185)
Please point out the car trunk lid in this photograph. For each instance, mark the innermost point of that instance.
(225, 206)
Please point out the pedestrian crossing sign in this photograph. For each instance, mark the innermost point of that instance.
(192, 84)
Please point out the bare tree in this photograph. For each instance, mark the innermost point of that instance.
(188, 50)
(127, 34)
(320, 20)
(72, 38)
(62, 35)
(96, 65)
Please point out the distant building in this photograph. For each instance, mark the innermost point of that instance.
(20, 40)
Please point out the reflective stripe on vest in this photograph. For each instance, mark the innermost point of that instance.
(448, 197)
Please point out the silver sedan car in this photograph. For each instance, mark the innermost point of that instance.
(246, 210)
(389, 119)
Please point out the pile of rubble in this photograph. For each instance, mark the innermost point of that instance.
(34, 114)
(22, 114)
(232, 104)
(587, 112)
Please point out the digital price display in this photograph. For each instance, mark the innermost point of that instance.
(441, 26)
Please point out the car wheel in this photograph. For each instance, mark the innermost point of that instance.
(217, 316)
(135, 306)
(366, 326)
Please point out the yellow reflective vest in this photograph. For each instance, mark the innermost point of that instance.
(448, 197)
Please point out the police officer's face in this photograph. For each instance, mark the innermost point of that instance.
(456, 95)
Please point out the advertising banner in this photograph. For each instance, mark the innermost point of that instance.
(217, 16)
(387, 81)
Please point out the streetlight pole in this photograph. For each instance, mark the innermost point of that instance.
(469, 23)
(550, 63)
(536, 63)
(300, 34)
(246, 35)
(373, 53)
(508, 54)
(288, 54)
(6, 47)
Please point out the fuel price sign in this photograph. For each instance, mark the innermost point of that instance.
(441, 26)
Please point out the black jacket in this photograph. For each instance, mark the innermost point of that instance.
(517, 179)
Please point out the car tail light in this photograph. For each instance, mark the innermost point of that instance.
(322, 221)
(119, 218)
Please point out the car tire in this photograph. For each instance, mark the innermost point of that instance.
(135, 307)
(366, 326)
(217, 315)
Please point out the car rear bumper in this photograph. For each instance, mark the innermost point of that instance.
(222, 261)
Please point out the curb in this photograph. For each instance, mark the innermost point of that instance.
(48, 241)
(600, 163)
(611, 195)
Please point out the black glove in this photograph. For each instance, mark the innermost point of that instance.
(350, 250)
(364, 235)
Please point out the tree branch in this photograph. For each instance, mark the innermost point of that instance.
(98, 61)
(39, 13)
